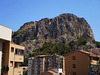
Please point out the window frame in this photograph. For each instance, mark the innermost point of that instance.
(74, 57)
(12, 49)
(74, 65)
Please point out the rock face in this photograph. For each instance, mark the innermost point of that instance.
(65, 27)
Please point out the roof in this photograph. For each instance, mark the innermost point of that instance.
(48, 56)
(78, 51)
(51, 71)
(31, 58)
(24, 66)
(40, 55)
(85, 52)
(16, 45)
(5, 26)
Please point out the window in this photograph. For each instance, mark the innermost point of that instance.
(12, 49)
(16, 51)
(99, 50)
(74, 73)
(21, 52)
(11, 63)
(60, 74)
(74, 57)
(74, 65)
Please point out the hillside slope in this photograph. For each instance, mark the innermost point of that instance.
(63, 28)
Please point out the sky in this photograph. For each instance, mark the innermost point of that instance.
(14, 13)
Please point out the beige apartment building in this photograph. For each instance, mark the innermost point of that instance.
(79, 62)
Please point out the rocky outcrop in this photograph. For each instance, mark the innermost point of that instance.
(65, 27)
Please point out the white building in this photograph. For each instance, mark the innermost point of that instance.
(5, 38)
(30, 65)
(41, 63)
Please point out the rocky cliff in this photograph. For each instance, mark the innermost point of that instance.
(63, 28)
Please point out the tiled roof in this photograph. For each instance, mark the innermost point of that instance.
(51, 71)
(86, 52)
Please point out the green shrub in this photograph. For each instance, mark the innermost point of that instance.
(49, 48)
(71, 43)
(25, 72)
(96, 43)
(82, 41)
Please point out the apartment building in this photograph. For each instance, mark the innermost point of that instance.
(79, 62)
(16, 57)
(95, 51)
(5, 39)
(11, 55)
(30, 66)
(41, 63)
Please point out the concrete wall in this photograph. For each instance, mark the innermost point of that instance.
(5, 33)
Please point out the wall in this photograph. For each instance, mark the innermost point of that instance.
(0, 55)
(6, 54)
(82, 63)
(47, 73)
(5, 33)
(5, 37)
(95, 51)
(15, 59)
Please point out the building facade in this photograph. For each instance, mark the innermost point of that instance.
(11, 55)
(41, 63)
(95, 51)
(5, 39)
(79, 62)
(16, 57)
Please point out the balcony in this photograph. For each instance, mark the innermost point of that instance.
(94, 62)
(11, 56)
(19, 58)
(18, 71)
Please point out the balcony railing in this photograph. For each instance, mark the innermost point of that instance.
(19, 58)
(18, 71)
(94, 62)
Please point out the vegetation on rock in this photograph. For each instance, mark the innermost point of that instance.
(49, 48)
(96, 43)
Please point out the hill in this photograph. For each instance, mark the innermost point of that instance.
(65, 28)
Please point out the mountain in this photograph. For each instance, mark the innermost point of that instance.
(63, 28)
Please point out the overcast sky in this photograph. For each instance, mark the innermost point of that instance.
(14, 13)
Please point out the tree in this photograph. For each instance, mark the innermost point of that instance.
(82, 41)
(49, 48)
(25, 72)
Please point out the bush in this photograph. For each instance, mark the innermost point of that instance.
(49, 48)
(71, 43)
(25, 72)
(82, 41)
(26, 61)
(96, 43)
